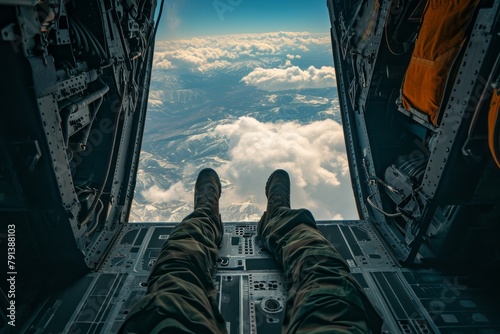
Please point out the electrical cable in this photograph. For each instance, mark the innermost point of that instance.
(89, 37)
(387, 186)
(387, 214)
(83, 42)
(113, 144)
(104, 56)
(96, 223)
(77, 44)
(386, 34)
(91, 40)
(86, 190)
(86, 131)
(400, 212)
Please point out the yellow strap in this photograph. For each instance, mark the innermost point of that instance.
(494, 127)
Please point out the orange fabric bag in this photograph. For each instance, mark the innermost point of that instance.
(441, 35)
(494, 127)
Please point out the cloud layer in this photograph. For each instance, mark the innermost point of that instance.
(293, 77)
(199, 54)
(313, 154)
(249, 150)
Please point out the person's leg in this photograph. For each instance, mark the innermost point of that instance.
(323, 296)
(181, 293)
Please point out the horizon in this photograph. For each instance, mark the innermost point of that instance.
(240, 34)
(284, 66)
(289, 83)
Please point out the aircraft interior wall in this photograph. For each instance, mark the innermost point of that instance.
(73, 104)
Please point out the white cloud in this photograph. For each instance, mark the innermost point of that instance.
(289, 56)
(155, 98)
(157, 195)
(155, 103)
(163, 64)
(197, 54)
(313, 154)
(191, 57)
(276, 79)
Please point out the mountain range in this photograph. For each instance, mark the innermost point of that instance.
(190, 125)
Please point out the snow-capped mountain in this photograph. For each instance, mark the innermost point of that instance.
(207, 116)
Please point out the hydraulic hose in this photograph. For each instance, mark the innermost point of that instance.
(77, 105)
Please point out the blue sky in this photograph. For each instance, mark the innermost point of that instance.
(188, 18)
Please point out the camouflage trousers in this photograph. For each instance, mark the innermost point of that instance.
(181, 297)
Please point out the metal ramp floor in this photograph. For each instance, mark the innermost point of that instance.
(252, 291)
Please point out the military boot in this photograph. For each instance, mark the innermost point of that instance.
(207, 191)
(277, 192)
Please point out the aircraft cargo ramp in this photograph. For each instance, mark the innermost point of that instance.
(252, 290)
